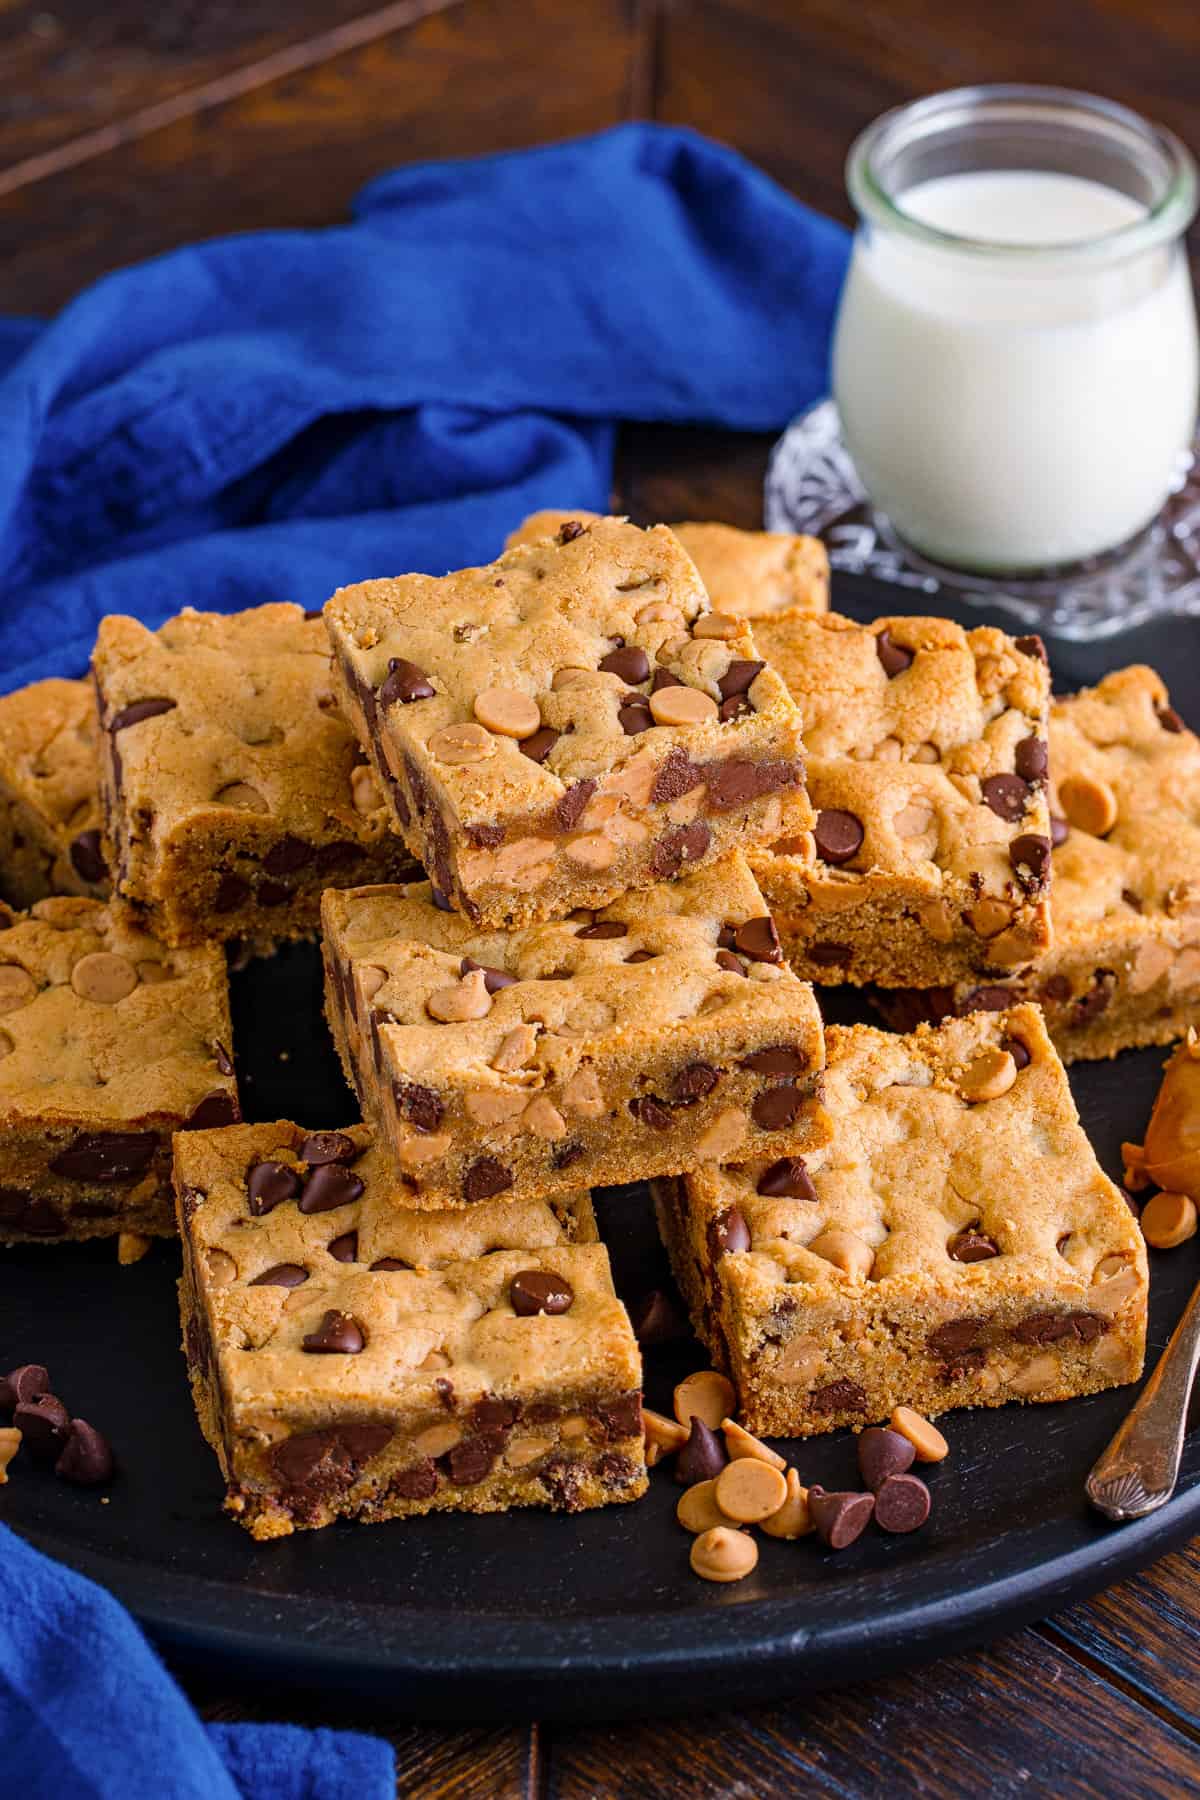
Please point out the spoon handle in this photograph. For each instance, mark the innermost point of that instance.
(1138, 1471)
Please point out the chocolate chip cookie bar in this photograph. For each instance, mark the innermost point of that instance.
(567, 723)
(109, 1043)
(747, 573)
(953, 1242)
(49, 794)
(640, 1038)
(234, 791)
(927, 762)
(352, 1358)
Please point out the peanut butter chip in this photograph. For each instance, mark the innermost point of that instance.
(592, 852)
(990, 917)
(467, 999)
(748, 1490)
(459, 744)
(741, 1443)
(914, 820)
(1168, 1220)
(723, 1554)
(582, 1095)
(1108, 1266)
(682, 706)
(222, 1270)
(925, 1438)
(435, 1440)
(697, 1509)
(10, 1443)
(516, 1048)
(663, 1434)
(717, 625)
(792, 1519)
(724, 1136)
(151, 972)
(17, 987)
(422, 1149)
(131, 1247)
(103, 977)
(544, 1119)
(846, 1251)
(242, 795)
(707, 1396)
(364, 790)
(1088, 804)
(988, 1076)
(508, 712)
(493, 1106)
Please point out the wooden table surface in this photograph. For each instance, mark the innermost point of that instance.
(130, 126)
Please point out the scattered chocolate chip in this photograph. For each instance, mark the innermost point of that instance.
(539, 1291)
(1131, 899)
(344, 1249)
(839, 1519)
(137, 710)
(1169, 719)
(43, 1422)
(470, 1462)
(327, 1147)
(87, 857)
(759, 940)
(738, 677)
(419, 1105)
(23, 1383)
(777, 1059)
(404, 682)
(389, 1265)
(1017, 1050)
(1051, 1328)
(493, 979)
(31, 1213)
(1089, 1006)
(676, 776)
(674, 849)
(954, 1338)
(776, 1108)
(538, 746)
(284, 1275)
(1007, 795)
(656, 1319)
(1032, 645)
(337, 1335)
(269, 1184)
(486, 1176)
(273, 893)
(838, 1396)
(107, 1155)
(569, 530)
(693, 1083)
(730, 1233)
(215, 1110)
(86, 1458)
(491, 1413)
(635, 718)
(971, 1247)
(420, 1482)
(787, 1179)
(838, 836)
(663, 678)
(573, 804)
(894, 657)
(288, 855)
(881, 1453)
(604, 928)
(222, 1059)
(232, 891)
(328, 1186)
(563, 1155)
(1031, 759)
(702, 1457)
(736, 707)
(630, 663)
(902, 1503)
(1056, 988)
(826, 954)
(1030, 854)
(733, 964)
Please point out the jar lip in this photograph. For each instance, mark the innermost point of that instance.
(1166, 220)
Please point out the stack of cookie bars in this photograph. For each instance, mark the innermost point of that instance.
(578, 830)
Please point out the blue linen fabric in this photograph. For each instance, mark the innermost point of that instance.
(270, 416)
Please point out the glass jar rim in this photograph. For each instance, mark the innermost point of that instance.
(1167, 219)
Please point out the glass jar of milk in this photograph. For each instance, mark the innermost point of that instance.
(1015, 363)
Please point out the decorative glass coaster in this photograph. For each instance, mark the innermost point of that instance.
(812, 486)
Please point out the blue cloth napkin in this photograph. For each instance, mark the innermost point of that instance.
(267, 417)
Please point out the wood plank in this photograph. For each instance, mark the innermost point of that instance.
(669, 472)
(485, 76)
(1018, 1719)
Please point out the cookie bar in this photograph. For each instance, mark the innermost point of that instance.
(639, 1039)
(493, 1365)
(745, 572)
(568, 723)
(953, 1242)
(49, 794)
(1124, 969)
(927, 757)
(234, 790)
(109, 1043)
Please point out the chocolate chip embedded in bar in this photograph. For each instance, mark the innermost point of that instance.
(951, 1241)
(49, 794)
(660, 1031)
(1124, 968)
(929, 862)
(234, 790)
(493, 1365)
(109, 1043)
(573, 721)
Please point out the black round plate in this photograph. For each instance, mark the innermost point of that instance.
(532, 1613)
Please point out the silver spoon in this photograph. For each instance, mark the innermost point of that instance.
(1138, 1471)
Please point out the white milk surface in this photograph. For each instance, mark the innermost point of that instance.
(1004, 413)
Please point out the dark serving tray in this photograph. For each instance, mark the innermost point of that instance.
(533, 1613)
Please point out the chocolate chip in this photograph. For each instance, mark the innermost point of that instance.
(563, 1155)
(538, 746)
(727, 960)
(43, 1422)
(222, 1059)
(777, 1059)
(107, 1155)
(328, 1186)
(486, 1176)
(693, 1083)
(1029, 855)
(630, 663)
(344, 1249)
(954, 1338)
(838, 835)
(838, 1396)
(881, 1453)
(971, 1247)
(569, 530)
(86, 1458)
(420, 1482)
(87, 857)
(1031, 759)
(787, 1179)
(736, 707)
(337, 1335)
(686, 844)
(1131, 899)
(735, 783)
(776, 1108)
(493, 979)
(839, 1519)
(288, 855)
(1032, 645)
(137, 710)
(1051, 1328)
(327, 1147)
(492, 1413)
(232, 891)
(1007, 795)
(603, 929)
(539, 1291)
(902, 1502)
(25, 1382)
(826, 954)
(1056, 988)
(730, 1233)
(562, 1478)
(404, 682)
(574, 803)
(215, 1110)
(30, 1213)
(759, 940)
(273, 893)
(419, 1105)
(662, 679)
(676, 776)
(1169, 719)
(738, 677)
(1089, 1006)
(1017, 1050)
(268, 1184)
(284, 1275)
(656, 1319)
(387, 1264)
(635, 718)
(470, 1462)
(651, 1112)
(702, 1457)
(894, 657)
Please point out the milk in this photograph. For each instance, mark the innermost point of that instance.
(1015, 411)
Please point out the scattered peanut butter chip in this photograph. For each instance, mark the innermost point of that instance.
(697, 1509)
(723, 1554)
(987, 1076)
(724, 1137)
(104, 977)
(242, 795)
(749, 1491)
(707, 1396)
(543, 1118)
(493, 1106)
(17, 987)
(222, 1269)
(1168, 1220)
(668, 1435)
(10, 1443)
(1090, 805)
(370, 979)
(508, 712)
(742, 1443)
(924, 1437)
(717, 625)
(846, 1251)
(467, 999)
(1108, 1266)
(989, 917)
(595, 851)
(582, 1095)
(682, 706)
(516, 1048)
(457, 744)
(364, 789)
(132, 1246)
(792, 1519)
